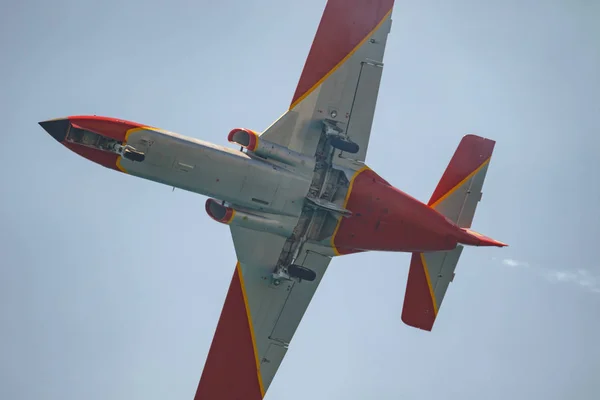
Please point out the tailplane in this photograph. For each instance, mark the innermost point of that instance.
(429, 276)
(458, 192)
(456, 197)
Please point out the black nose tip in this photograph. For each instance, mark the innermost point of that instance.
(57, 128)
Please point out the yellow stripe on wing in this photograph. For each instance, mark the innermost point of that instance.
(327, 75)
(260, 382)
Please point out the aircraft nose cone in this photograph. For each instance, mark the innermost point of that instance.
(57, 128)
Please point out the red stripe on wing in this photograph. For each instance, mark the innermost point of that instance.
(230, 371)
(344, 24)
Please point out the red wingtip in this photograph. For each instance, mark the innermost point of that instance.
(345, 24)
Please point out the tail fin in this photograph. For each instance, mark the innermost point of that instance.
(458, 192)
(429, 276)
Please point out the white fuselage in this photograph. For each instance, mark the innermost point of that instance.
(219, 172)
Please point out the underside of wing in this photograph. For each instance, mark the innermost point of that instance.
(259, 318)
(340, 80)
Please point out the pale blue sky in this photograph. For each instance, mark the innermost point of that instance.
(111, 286)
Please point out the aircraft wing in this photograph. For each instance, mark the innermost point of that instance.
(340, 80)
(258, 319)
(336, 93)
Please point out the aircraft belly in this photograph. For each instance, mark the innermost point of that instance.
(184, 164)
(221, 173)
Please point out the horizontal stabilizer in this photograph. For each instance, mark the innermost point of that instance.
(429, 276)
(459, 190)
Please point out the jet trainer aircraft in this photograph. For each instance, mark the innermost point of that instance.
(299, 194)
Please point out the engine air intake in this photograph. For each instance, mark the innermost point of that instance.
(219, 212)
(244, 137)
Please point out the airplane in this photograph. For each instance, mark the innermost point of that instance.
(299, 194)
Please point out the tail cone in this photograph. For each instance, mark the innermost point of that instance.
(477, 239)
